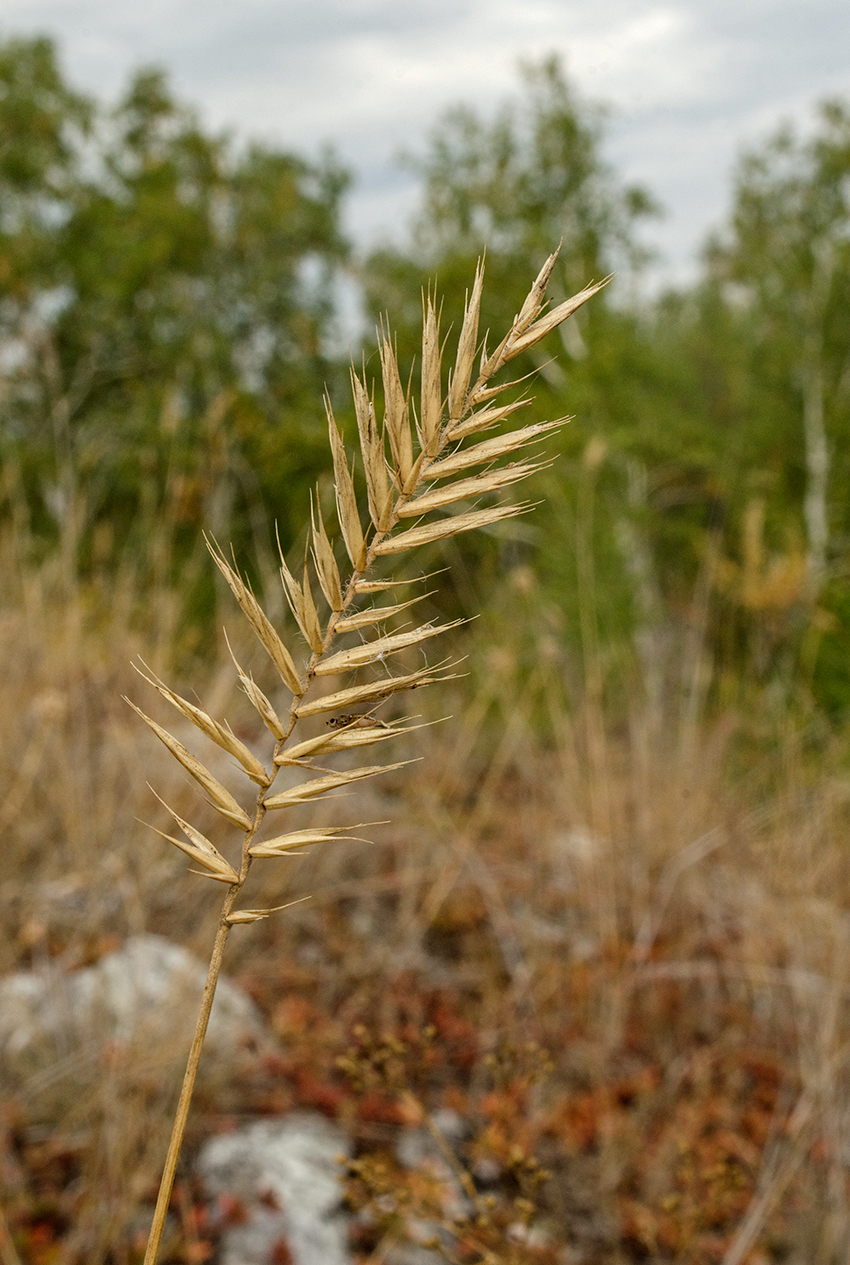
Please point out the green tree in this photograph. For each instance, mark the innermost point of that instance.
(517, 184)
(778, 283)
(166, 304)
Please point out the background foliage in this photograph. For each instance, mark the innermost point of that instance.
(168, 328)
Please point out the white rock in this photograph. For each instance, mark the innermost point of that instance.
(287, 1175)
(148, 992)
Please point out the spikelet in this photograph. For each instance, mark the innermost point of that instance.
(199, 848)
(375, 614)
(259, 621)
(220, 734)
(321, 785)
(447, 527)
(256, 915)
(372, 651)
(431, 394)
(374, 460)
(346, 739)
(296, 841)
(466, 349)
(323, 556)
(346, 500)
(466, 489)
(354, 695)
(489, 449)
(300, 600)
(219, 796)
(258, 700)
(396, 415)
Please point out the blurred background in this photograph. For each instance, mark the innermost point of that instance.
(629, 845)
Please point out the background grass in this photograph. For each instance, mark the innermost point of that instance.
(629, 844)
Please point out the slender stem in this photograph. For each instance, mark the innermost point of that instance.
(179, 1128)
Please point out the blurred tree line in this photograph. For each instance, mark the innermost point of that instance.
(167, 329)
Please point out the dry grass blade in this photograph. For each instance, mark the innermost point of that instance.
(341, 700)
(375, 615)
(490, 449)
(466, 489)
(199, 848)
(374, 461)
(321, 785)
(258, 700)
(286, 845)
(431, 394)
(466, 349)
(222, 735)
(260, 622)
(346, 500)
(372, 651)
(323, 556)
(396, 414)
(429, 532)
(221, 798)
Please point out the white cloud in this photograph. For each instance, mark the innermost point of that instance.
(690, 82)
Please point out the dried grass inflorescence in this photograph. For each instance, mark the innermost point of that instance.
(416, 463)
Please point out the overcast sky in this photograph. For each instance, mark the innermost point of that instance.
(690, 83)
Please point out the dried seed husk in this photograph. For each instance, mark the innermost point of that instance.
(466, 347)
(323, 556)
(311, 615)
(341, 700)
(482, 393)
(260, 622)
(486, 418)
(222, 735)
(256, 915)
(370, 651)
(333, 781)
(479, 485)
(283, 845)
(220, 797)
(297, 602)
(258, 700)
(431, 397)
(551, 320)
(534, 299)
(199, 848)
(374, 615)
(346, 499)
(374, 461)
(378, 586)
(396, 413)
(490, 449)
(341, 740)
(445, 528)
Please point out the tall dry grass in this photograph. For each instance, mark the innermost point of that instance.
(639, 914)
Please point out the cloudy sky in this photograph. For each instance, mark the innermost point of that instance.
(690, 83)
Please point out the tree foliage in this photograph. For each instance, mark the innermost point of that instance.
(165, 304)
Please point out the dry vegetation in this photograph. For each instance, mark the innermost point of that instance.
(618, 953)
